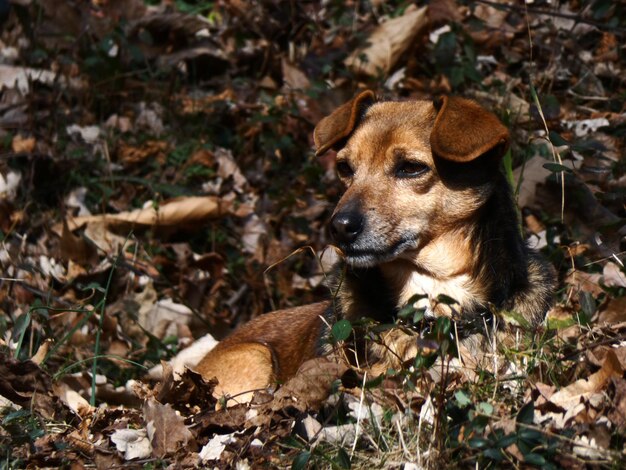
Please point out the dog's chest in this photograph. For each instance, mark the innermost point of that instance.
(458, 288)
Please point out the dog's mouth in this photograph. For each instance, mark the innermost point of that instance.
(366, 257)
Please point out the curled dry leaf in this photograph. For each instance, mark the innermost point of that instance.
(26, 385)
(166, 429)
(570, 396)
(133, 443)
(72, 399)
(214, 448)
(183, 211)
(387, 43)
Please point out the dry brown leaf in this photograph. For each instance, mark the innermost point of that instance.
(614, 311)
(294, 78)
(598, 355)
(582, 389)
(618, 414)
(25, 384)
(166, 429)
(613, 276)
(582, 281)
(191, 105)
(21, 144)
(131, 155)
(181, 211)
(388, 42)
(76, 248)
(311, 385)
(72, 399)
(133, 443)
(444, 11)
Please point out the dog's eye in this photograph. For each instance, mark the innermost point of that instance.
(344, 169)
(409, 169)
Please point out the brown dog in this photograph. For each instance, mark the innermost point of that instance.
(426, 211)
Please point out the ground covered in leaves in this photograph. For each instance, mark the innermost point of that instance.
(157, 184)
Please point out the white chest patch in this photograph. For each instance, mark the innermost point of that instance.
(457, 288)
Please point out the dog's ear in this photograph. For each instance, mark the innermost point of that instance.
(464, 130)
(331, 130)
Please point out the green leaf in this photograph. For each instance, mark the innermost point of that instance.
(485, 408)
(341, 330)
(557, 140)
(507, 162)
(557, 168)
(443, 326)
(462, 399)
(418, 316)
(493, 454)
(534, 459)
(478, 443)
(375, 382)
(526, 413)
(587, 303)
(301, 460)
(406, 311)
(19, 331)
(506, 441)
(343, 459)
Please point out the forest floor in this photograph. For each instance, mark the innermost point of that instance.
(158, 183)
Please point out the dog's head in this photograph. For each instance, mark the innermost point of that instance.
(414, 171)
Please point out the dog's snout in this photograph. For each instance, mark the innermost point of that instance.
(346, 226)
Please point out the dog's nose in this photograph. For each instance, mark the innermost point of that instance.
(345, 227)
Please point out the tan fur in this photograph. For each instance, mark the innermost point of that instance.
(426, 211)
(269, 350)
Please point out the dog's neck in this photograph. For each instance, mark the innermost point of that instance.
(444, 266)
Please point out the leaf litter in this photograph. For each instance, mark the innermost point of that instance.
(156, 161)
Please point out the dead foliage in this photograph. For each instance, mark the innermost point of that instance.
(156, 160)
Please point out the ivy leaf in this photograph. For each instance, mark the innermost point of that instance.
(341, 330)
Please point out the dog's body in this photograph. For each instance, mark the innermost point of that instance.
(426, 211)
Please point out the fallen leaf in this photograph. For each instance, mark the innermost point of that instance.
(570, 396)
(131, 155)
(311, 385)
(22, 77)
(72, 399)
(133, 443)
(294, 78)
(9, 184)
(387, 43)
(161, 318)
(77, 247)
(613, 275)
(166, 429)
(214, 448)
(90, 134)
(174, 212)
(614, 311)
(21, 144)
(26, 385)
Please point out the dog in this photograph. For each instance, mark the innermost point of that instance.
(426, 211)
